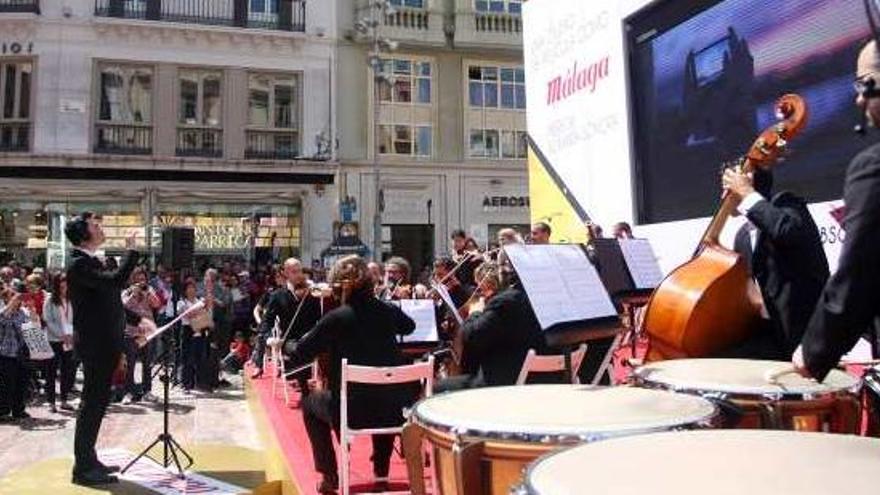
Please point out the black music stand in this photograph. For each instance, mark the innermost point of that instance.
(172, 450)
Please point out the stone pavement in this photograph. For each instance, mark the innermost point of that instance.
(220, 418)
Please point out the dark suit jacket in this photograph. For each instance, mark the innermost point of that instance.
(498, 339)
(790, 267)
(365, 331)
(96, 299)
(283, 304)
(851, 300)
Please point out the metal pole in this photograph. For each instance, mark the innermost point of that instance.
(376, 63)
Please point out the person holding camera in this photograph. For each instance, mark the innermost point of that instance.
(142, 299)
(99, 320)
(13, 356)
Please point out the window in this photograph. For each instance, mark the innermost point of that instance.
(200, 113)
(405, 140)
(406, 81)
(416, 4)
(509, 6)
(494, 87)
(125, 109)
(200, 98)
(15, 105)
(492, 143)
(273, 116)
(125, 94)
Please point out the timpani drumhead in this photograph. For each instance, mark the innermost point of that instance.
(546, 413)
(739, 376)
(721, 462)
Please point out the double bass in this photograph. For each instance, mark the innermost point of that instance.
(705, 305)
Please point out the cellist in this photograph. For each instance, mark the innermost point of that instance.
(783, 252)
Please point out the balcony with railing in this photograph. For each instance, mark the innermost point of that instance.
(123, 139)
(409, 23)
(206, 142)
(15, 136)
(290, 15)
(20, 6)
(281, 144)
(481, 28)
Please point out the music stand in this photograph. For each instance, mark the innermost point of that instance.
(172, 450)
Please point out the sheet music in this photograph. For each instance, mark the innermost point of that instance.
(642, 263)
(159, 331)
(860, 353)
(562, 284)
(447, 300)
(422, 313)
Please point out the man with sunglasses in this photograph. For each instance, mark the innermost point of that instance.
(850, 302)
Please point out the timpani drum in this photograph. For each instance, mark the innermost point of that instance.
(721, 462)
(757, 398)
(482, 439)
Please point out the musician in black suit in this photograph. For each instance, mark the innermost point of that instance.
(290, 301)
(365, 331)
(850, 304)
(783, 250)
(495, 339)
(98, 328)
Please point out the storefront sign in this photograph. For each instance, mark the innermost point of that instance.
(221, 236)
(16, 48)
(505, 202)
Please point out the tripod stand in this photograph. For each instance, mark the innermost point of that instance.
(172, 450)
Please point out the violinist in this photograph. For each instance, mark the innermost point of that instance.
(396, 285)
(363, 330)
(498, 334)
(458, 292)
(294, 299)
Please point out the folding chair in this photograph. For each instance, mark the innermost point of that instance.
(535, 363)
(419, 372)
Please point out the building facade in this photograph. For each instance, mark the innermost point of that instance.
(215, 114)
(451, 122)
(252, 121)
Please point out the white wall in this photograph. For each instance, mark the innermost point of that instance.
(599, 170)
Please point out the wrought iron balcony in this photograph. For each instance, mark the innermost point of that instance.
(272, 145)
(200, 141)
(25, 6)
(15, 136)
(123, 139)
(290, 15)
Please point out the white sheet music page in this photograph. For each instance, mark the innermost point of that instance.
(422, 313)
(562, 284)
(642, 263)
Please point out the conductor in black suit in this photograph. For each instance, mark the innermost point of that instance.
(850, 304)
(783, 250)
(98, 324)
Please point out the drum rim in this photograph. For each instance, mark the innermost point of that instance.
(724, 393)
(526, 487)
(706, 421)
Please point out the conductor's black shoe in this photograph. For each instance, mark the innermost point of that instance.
(329, 484)
(94, 477)
(109, 469)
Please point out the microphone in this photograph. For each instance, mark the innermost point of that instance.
(862, 127)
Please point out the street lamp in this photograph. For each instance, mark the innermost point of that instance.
(368, 27)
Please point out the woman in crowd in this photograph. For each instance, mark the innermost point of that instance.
(195, 333)
(13, 356)
(58, 316)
